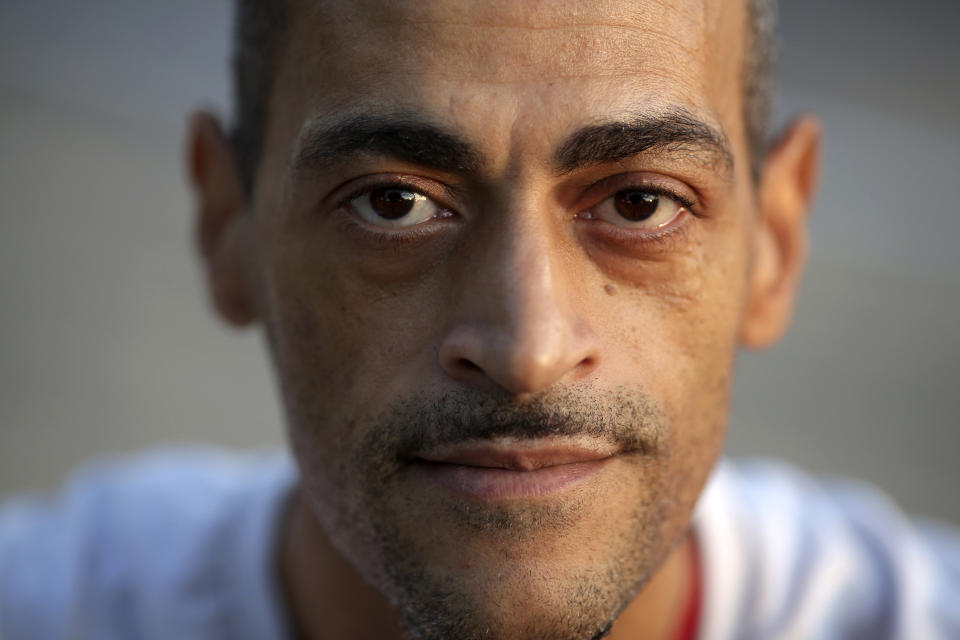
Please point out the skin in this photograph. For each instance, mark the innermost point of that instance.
(527, 299)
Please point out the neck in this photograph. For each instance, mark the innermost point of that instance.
(326, 598)
(661, 610)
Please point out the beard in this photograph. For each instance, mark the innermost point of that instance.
(471, 570)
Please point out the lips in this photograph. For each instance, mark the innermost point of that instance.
(512, 469)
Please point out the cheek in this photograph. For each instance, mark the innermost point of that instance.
(342, 348)
(673, 328)
(679, 345)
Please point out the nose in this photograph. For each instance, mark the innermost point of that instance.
(516, 322)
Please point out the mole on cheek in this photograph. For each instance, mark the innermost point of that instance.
(609, 289)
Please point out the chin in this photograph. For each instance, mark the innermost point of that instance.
(532, 570)
(522, 601)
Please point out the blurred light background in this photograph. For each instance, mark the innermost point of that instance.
(107, 344)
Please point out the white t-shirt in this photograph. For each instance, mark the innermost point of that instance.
(180, 544)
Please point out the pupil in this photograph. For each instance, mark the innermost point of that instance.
(636, 206)
(392, 203)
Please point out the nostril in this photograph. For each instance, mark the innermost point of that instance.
(468, 364)
(587, 363)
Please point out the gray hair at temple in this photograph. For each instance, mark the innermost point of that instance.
(260, 27)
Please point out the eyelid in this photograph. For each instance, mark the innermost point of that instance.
(441, 195)
(661, 242)
(656, 184)
(676, 219)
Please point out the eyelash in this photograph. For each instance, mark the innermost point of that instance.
(380, 182)
(663, 192)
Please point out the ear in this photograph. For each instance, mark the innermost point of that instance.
(223, 230)
(785, 194)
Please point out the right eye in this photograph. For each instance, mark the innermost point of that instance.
(394, 207)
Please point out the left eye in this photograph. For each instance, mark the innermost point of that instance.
(394, 207)
(637, 209)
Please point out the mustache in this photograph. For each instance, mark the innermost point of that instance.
(624, 417)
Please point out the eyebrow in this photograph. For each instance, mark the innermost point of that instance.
(674, 132)
(409, 138)
(400, 136)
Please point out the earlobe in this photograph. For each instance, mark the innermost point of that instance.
(786, 192)
(223, 230)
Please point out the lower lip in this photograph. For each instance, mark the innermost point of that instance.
(487, 483)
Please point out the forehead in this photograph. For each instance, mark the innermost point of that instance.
(500, 69)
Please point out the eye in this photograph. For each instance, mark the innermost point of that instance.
(394, 207)
(642, 209)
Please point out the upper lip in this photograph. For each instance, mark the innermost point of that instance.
(517, 455)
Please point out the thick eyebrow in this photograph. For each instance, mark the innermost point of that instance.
(406, 137)
(674, 132)
(399, 136)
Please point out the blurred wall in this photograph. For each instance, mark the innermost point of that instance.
(107, 344)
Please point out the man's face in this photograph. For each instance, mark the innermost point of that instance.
(502, 252)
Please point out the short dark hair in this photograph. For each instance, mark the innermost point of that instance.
(758, 71)
(261, 26)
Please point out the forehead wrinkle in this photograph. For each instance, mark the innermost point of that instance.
(544, 12)
(570, 42)
(573, 54)
(616, 42)
(509, 49)
(666, 28)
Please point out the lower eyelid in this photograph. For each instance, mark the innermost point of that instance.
(383, 237)
(628, 236)
(359, 224)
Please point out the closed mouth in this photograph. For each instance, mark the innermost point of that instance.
(509, 468)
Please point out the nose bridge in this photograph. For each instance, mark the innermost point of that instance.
(518, 325)
(534, 309)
